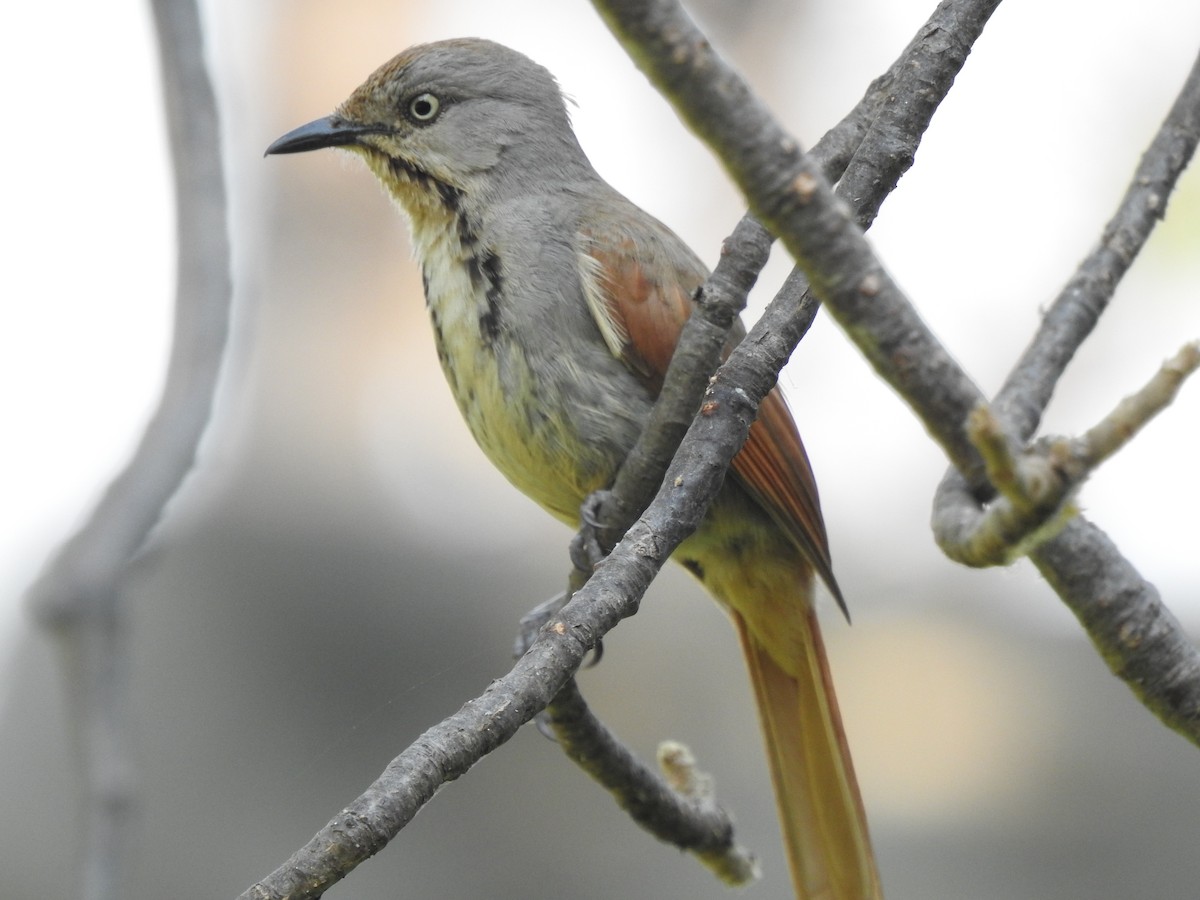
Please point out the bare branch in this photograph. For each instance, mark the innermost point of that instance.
(1035, 488)
(1140, 640)
(908, 95)
(1161, 666)
(673, 810)
(77, 595)
(96, 556)
(1069, 321)
(1132, 413)
(960, 527)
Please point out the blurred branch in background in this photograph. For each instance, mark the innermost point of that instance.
(77, 597)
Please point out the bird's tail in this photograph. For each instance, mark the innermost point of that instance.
(820, 808)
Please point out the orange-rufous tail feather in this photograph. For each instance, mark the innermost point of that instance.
(820, 808)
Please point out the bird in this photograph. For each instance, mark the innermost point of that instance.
(556, 304)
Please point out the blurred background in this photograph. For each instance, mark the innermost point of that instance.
(343, 569)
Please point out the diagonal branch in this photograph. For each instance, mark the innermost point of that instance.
(966, 532)
(961, 528)
(1122, 613)
(790, 197)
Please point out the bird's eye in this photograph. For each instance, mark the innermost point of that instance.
(424, 107)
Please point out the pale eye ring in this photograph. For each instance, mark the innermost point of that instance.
(424, 107)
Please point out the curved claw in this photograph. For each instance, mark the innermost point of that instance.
(535, 620)
(542, 723)
(597, 654)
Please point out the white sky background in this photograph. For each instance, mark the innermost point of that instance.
(1029, 155)
(88, 267)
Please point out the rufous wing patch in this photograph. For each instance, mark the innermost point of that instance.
(773, 466)
(640, 304)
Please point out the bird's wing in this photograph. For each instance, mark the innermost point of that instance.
(774, 468)
(639, 303)
(639, 288)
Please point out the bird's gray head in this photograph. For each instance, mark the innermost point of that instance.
(451, 115)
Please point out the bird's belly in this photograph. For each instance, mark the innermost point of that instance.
(518, 420)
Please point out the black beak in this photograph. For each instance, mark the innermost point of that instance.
(332, 131)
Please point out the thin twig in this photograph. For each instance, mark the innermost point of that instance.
(1133, 412)
(77, 595)
(1036, 485)
(667, 807)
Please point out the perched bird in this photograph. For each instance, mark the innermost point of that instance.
(556, 305)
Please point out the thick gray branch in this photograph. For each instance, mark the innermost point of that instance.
(786, 191)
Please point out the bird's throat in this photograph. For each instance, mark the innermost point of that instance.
(484, 361)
